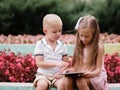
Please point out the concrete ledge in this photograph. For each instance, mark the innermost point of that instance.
(16, 84)
(29, 86)
(29, 48)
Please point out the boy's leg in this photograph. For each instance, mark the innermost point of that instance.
(42, 84)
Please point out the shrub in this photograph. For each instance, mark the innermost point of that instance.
(22, 68)
(16, 68)
(112, 65)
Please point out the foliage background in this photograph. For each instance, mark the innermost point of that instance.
(25, 16)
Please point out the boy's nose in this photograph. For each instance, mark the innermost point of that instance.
(59, 33)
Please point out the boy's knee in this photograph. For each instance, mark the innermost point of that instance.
(42, 84)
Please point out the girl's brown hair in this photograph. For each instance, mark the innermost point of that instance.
(87, 22)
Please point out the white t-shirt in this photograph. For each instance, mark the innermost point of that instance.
(50, 55)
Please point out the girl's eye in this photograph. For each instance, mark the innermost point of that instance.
(81, 35)
(87, 36)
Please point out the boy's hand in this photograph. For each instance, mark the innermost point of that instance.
(69, 70)
(63, 64)
(57, 76)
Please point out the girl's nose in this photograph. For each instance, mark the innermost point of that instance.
(83, 39)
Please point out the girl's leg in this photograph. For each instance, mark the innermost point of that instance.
(59, 84)
(82, 84)
(69, 83)
(42, 85)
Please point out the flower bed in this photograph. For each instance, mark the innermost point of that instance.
(22, 68)
(112, 65)
(16, 68)
(67, 38)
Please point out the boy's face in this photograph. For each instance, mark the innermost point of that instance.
(54, 31)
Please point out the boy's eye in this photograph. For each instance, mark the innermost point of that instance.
(56, 31)
(60, 31)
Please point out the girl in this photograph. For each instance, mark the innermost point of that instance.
(88, 57)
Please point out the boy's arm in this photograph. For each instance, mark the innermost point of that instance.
(41, 63)
(65, 59)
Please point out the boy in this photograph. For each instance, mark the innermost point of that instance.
(51, 55)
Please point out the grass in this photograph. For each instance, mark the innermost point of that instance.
(112, 48)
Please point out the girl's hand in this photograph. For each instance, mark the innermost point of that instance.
(72, 69)
(87, 74)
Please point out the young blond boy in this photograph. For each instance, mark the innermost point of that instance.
(51, 55)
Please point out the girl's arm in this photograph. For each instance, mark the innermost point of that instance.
(99, 61)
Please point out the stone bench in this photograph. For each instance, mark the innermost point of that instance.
(29, 86)
(29, 48)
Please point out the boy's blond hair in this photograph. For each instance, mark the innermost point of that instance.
(50, 20)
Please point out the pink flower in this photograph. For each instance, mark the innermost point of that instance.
(27, 69)
(118, 69)
(18, 60)
(11, 78)
(19, 65)
(12, 66)
(1, 64)
(33, 63)
(7, 72)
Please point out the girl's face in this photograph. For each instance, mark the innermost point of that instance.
(85, 35)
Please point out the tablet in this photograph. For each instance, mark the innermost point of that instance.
(73, 74)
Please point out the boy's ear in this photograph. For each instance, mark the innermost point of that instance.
(44, 30)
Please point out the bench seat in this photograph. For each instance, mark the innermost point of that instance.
(29, 86)
(29, 48)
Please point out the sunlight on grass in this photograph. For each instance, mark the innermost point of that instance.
(112, 48)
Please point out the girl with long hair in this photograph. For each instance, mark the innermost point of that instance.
(88, 57)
